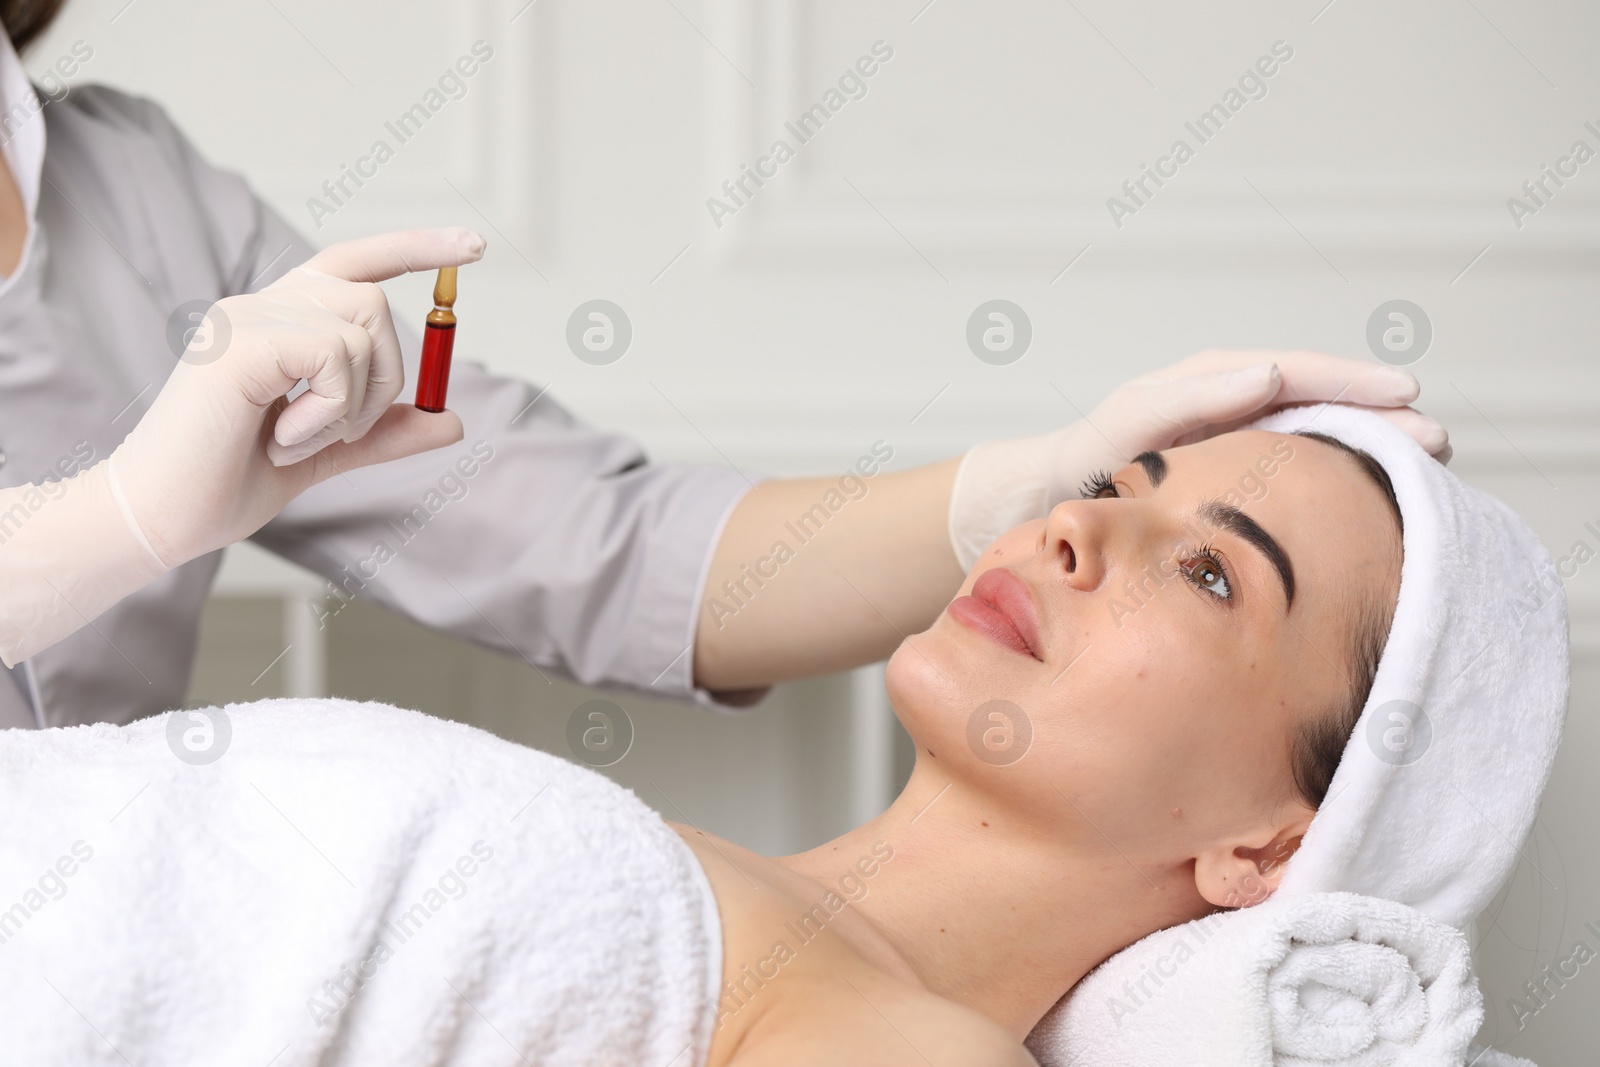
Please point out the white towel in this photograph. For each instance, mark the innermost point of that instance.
(1483, 1056)
(1440, 782)
(346, 884)
(1325, 979)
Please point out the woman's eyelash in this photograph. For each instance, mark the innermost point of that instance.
(1097, 484)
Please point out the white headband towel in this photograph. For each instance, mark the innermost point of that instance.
(1440, 781)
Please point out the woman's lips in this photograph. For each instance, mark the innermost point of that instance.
(1001, 606)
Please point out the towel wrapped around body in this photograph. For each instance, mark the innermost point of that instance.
(344, 884)
(1323, 979)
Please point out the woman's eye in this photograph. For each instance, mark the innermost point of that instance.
(1098, 484)
(1205, 572)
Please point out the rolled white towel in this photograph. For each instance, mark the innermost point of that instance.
(1479, 1056)
(1322, 979)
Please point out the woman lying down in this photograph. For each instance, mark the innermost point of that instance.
(1168, 701)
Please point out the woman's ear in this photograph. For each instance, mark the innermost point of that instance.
(1238, 873)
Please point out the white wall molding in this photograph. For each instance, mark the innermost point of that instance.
(1301, 222)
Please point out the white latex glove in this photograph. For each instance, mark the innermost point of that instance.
(1001, 484)
(222, 449)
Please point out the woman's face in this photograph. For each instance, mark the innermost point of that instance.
(1135, 666)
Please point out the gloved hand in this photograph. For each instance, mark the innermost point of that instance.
(1001, 484)
(222, 449)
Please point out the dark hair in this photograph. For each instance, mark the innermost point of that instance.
(27, 19)
(1320, 743)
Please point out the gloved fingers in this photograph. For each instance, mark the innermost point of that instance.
(286, 455)
(341, 282)
(382, 372)
(401, 430)
(321, 357)
(1423, 429)
(341, 402)
(358, 312)
(1309, 376)
(1201, 405)
(1314, 376)
(375, 375)
(389, 255)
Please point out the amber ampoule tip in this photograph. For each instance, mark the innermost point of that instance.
(444, 288)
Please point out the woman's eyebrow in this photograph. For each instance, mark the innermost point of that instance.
(1230, 518)
(1155, 467)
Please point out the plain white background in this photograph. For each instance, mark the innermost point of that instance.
(830, 310)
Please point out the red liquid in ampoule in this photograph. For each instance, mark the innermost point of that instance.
(438, 341)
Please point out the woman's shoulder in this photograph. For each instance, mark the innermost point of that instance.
(845, 1018)
(845, 994)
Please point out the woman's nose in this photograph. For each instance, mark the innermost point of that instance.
(1075, 536)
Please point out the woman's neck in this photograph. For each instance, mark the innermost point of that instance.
(985, 917)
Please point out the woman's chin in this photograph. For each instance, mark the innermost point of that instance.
(919, 675)
(935, 678)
